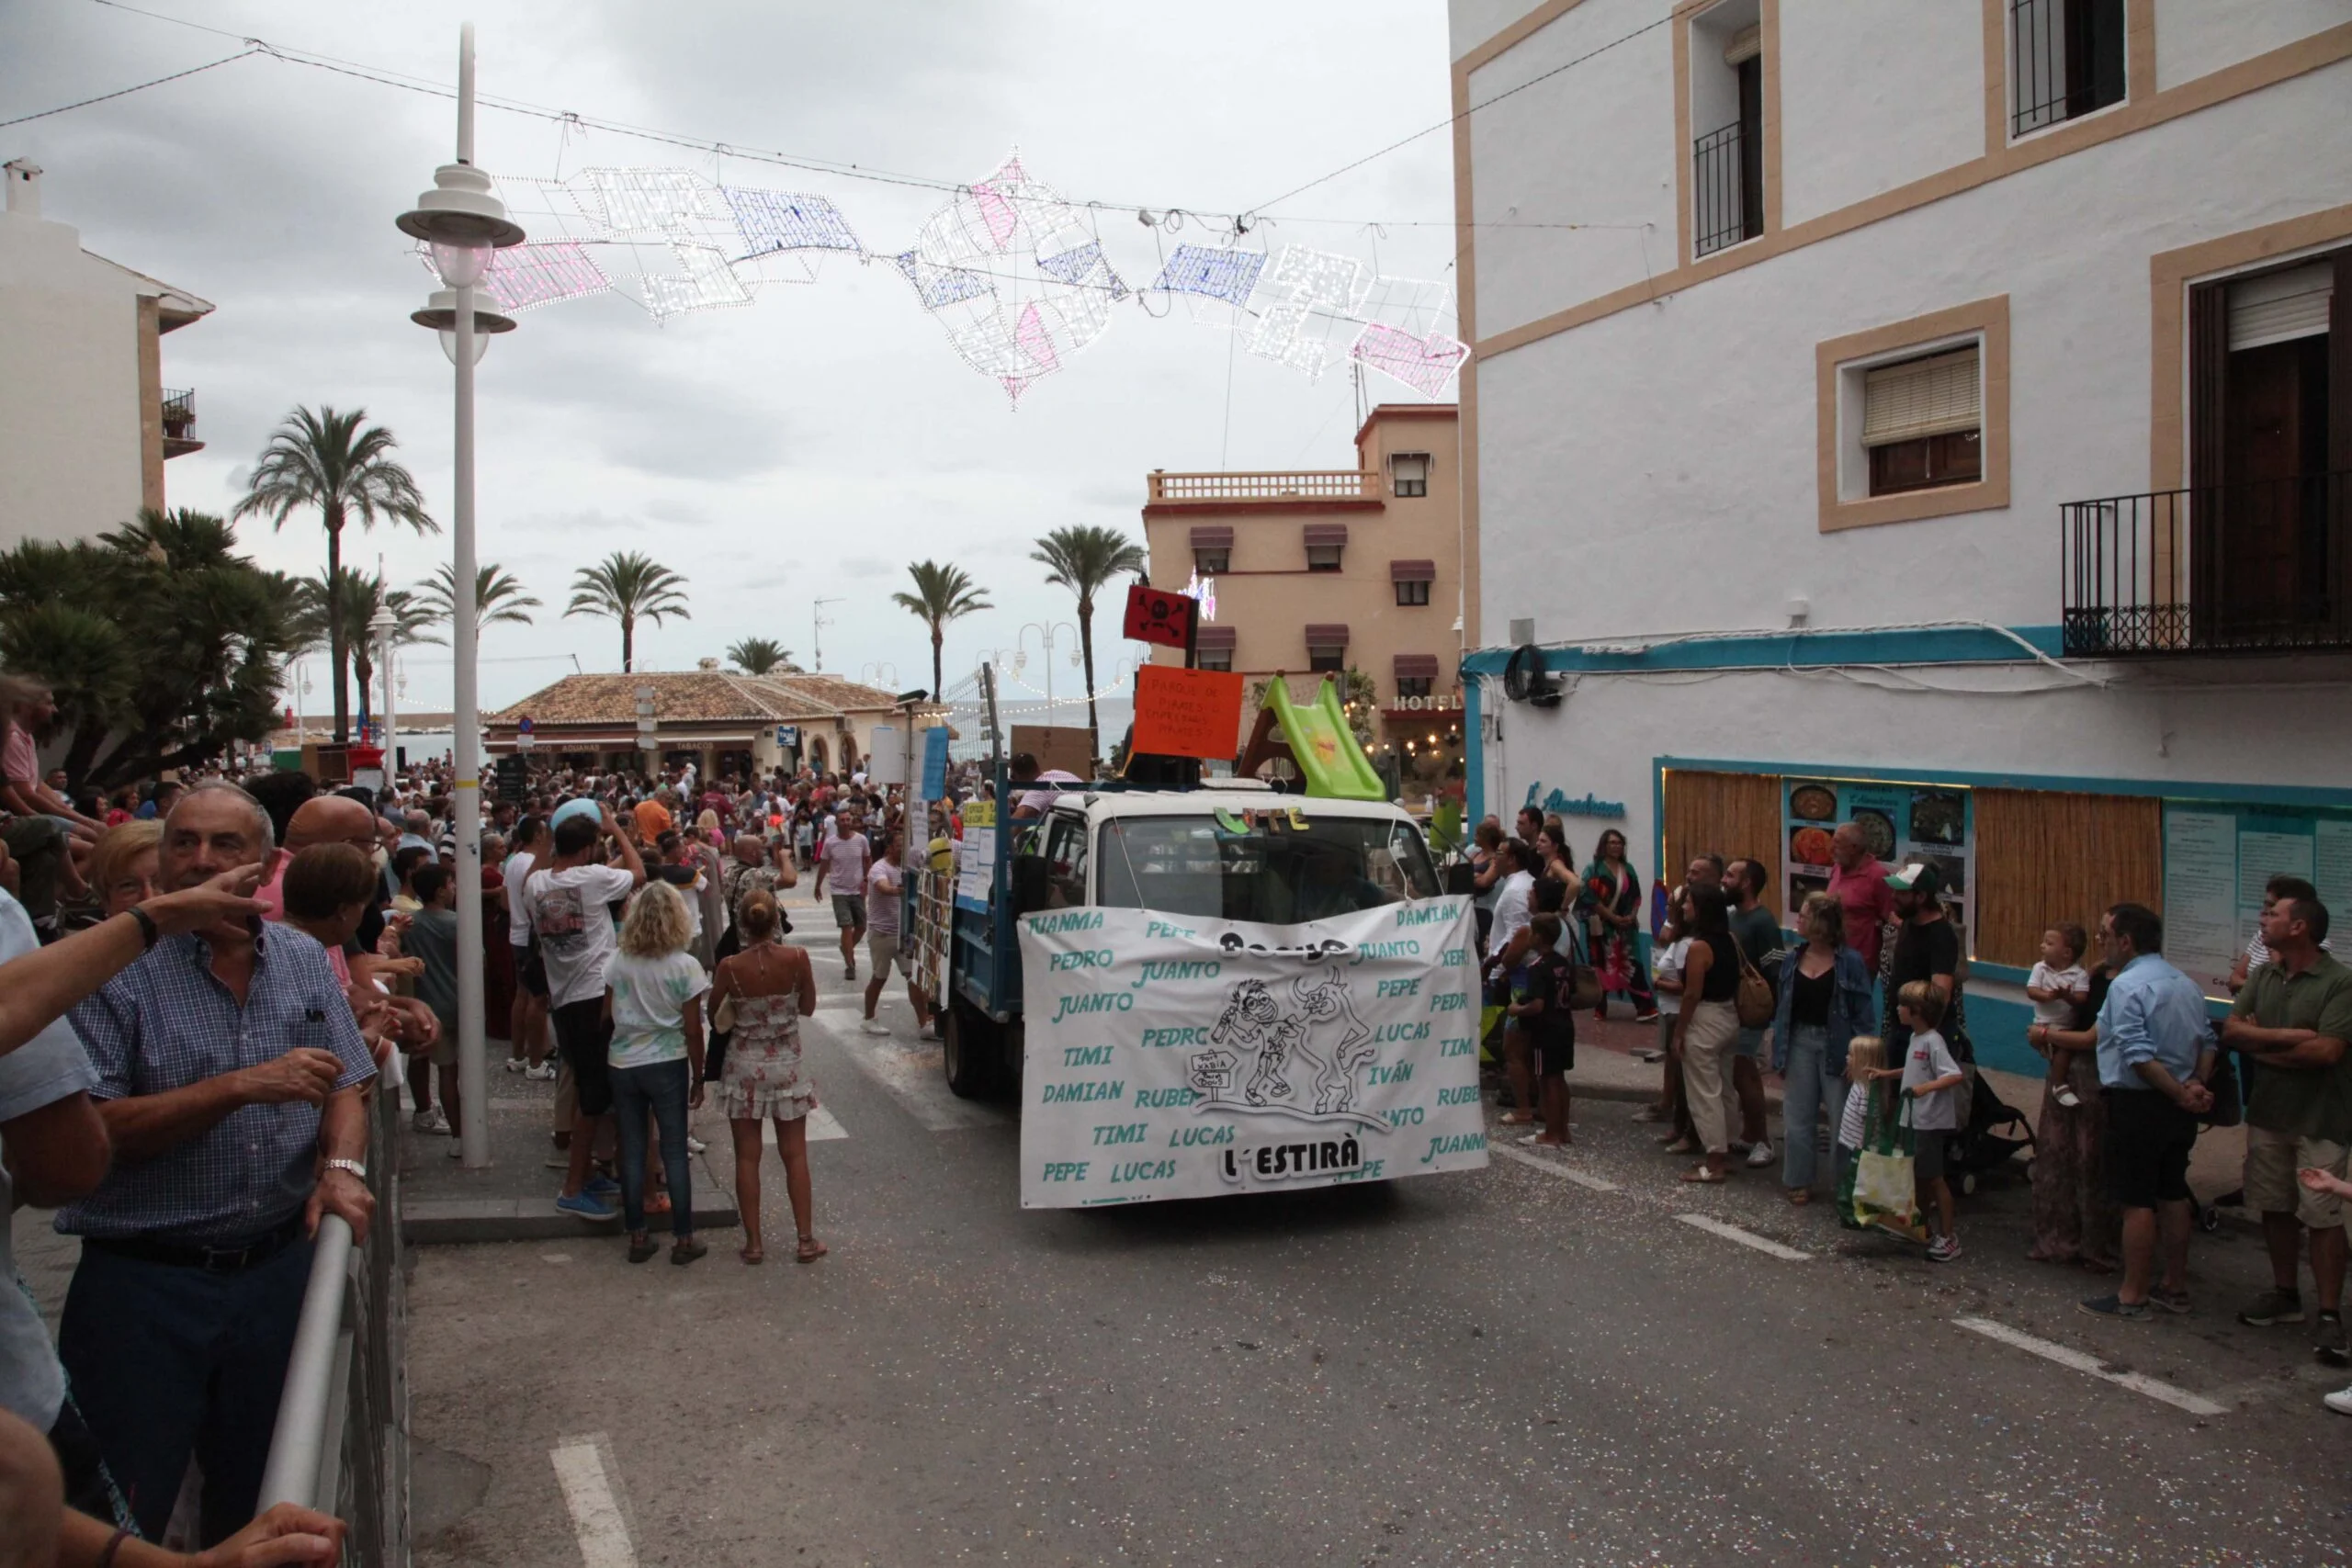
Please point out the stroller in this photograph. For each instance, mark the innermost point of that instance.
(1983, 1146)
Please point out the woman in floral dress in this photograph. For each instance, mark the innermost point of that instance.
(1611, 898)
(2075, 1218)
(771, 989)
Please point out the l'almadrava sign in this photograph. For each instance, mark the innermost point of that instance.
(1172, 1056)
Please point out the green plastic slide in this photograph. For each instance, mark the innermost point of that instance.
(1324, 747)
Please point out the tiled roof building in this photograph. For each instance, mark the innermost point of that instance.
(720, 719)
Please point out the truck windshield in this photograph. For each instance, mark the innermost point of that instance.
(1271, 872)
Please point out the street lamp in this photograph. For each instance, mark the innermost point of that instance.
(882, 673)
(383, 624)
(463, 221)
(818, 622)
(1046, 630)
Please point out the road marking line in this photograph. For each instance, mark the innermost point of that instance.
(823, 1125)
(1551, 1167)
(1745, 1238)
(2180, 1398)
(595, 1512)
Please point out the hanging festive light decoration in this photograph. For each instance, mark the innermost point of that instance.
(1426, 364)
(1015, 275)
(1018, 277)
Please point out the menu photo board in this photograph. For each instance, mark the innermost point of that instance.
(2218, 859)
(1900, 823)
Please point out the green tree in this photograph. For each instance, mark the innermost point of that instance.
(1084, 557)
(162, 645)
(341, 466)
(760, 656)
(499, 599)
(943, 594)
(355, 603)
(629, 588)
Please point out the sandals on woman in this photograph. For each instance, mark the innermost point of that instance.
(811, 1250)
(1705, 1176)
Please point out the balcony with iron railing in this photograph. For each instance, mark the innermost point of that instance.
(2262, 567)
(1726, 190)
(179, 420)
(1346, 486)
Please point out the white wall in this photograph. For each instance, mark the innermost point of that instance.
(1473, 22)
(1667, 452)
(69, 387)
(1595, 144)
(2194, 37)
(1875, 94)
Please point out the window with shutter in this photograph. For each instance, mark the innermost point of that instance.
(1409, 473)
(1923, 421)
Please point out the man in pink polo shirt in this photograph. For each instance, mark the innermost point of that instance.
(1859, 884)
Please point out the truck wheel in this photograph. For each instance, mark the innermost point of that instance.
(968, 1046)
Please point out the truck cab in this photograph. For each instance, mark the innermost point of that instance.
(1234, 851)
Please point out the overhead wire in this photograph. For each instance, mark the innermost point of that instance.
(1231, 226)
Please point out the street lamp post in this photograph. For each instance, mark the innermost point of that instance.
(383, 625)
(463, 221)
(1045, 630)
(883, 673)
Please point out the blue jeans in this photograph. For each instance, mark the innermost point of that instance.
(166, 1360)
(1808, 1088)
(662, 1090)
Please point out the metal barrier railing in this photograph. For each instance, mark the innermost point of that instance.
(341, 1444)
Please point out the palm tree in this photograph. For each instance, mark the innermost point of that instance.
(498, 597)
(354, 603)
(943, 594)
(629, 588)
(1083, 558)
(343, 465)
(760, 656)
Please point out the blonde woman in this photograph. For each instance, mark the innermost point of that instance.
(650, 988)
(771, 987)
(123, 867)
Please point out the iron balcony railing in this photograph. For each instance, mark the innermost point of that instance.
(1728, 211)
(2065, 60)
(179, 410)
(2254, 567)
(341, 1443)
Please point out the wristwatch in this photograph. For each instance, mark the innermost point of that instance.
(356, 1168)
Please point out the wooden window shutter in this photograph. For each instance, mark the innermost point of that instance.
(2043, 857)
(1736, 815)
(2208, 373)
(1935, 396)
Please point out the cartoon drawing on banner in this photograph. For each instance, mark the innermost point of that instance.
(1252, 1017)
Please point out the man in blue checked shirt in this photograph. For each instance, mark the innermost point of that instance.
(231, 1078)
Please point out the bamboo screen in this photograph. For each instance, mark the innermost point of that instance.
(2042, 857)
(1736, 815)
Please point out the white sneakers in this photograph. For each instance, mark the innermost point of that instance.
(1761, 1155)
(543, 1073)
(2340, 1402)
(430, 1120)
(874, 1026)
(517, 1063)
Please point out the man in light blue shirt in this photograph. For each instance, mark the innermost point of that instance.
(2155, 1051)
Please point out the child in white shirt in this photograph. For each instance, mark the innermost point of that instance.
(2058, 984)
(1931, 1080)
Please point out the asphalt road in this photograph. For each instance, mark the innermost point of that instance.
(1540, 1361)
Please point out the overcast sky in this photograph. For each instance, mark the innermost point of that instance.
(816, 442)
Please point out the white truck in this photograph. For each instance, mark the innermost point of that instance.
(1215, 990)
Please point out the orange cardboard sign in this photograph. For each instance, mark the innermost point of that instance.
(1187, 713)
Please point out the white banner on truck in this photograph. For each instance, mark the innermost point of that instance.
(1172, 1056)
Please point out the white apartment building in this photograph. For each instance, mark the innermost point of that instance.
(85, 421)
(1939, 417)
